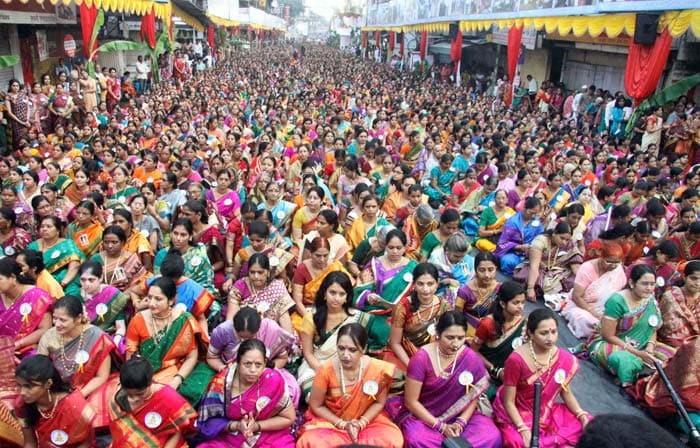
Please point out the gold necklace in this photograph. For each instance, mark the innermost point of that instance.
(423, 306)
(438, 354)
(158, 335)
(51, 413)
(538, 365)
(63, 353)
(342, 378)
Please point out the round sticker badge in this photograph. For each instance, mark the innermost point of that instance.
(18, 210)
(466, 378)
(274, 261)
(371, 388)
(552, 216)
(492, 203)
(25, 310)
(213, 184)
(149, 180)
(82, 357)
(578, 236)
(656, 235)
(9, 251)
(560, 379)
(517, 343)
(587, 183)
(408, 277)
(145, 233)
(486, 177)
(536, 223)
(431, 330)
(660, 282)
(55, 254)
(645, 250)
(654, 320)
(122, 199)
(279, 214)
(59, 437)
(228, 202)
(101, 310)
(196, 260)
(153, 420)
(261, 403)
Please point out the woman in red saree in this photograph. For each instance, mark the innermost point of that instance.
(51, 414)
(145, 414)
(347, 399)
(247, 404)
(561, 423)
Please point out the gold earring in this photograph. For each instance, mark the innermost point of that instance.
(50, 397)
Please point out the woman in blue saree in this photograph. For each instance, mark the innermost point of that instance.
(518, 233)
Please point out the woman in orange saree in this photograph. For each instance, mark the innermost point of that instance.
(347, 399)
(51, 414)
(170, 339)
(145, 414)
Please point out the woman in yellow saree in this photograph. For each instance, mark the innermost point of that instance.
(492, 221)
(310, 274)
(366, 225)
(85, 231)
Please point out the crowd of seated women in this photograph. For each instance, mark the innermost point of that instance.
(235, 278)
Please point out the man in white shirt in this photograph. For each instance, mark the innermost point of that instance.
(531, 88)
(141, 75)
(198, 49)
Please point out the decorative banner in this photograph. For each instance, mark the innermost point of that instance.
(69, 45)
(515, 36)
(403, 43)
(364, 39)
(645, 63)
(42, 45)
(377, 38)
(88, 17)
(148, 29)
(456, 48)
(423, 44)
(392, 40)
(210, 36)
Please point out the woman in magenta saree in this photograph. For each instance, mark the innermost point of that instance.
(450, 396)
(234, 413)
(561, 423)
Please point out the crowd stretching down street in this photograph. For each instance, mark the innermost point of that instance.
(294, 246)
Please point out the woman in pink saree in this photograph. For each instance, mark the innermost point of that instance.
(596, 280)
(247, 404)
(561, 423)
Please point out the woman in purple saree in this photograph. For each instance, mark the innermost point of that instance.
(442, 401)
(518, 233)
(247, 404)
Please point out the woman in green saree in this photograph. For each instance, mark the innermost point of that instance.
(626, 340)
(387, 279)
(449, 224)
(319, 331)
(62, 257)
(171, 340)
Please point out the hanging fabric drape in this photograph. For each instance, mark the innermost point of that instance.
(377, 38)
(88, 18)
(456, 49)
(210, 36)
(515, 38)
(645, 64)
(148, 28)
(392, 40)
(364, 39)
(402, 45)
(423, 44)
(170, 30)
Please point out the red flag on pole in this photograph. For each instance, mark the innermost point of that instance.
(88, 17)
(423, 44)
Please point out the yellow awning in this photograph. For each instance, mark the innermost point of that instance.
(221, 21)
(612, 25)
(188, 19)
(162, 11)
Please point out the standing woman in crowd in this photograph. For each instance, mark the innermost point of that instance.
(17, 110)
(561, 421)
(442, 403)
(62, 257)
(347, 399)
(53, 414)
(247, 403)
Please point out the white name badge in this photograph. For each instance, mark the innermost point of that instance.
(84, 240)
(408, 277)
(560, 376)
(656, 235)
(431, 330)
(536, 223)
(153, 420)
(517, 343)
(214, 184)
(82, 357)
(59, 437)
(25, 309)
(9, 251)
(654, 320)
(466, 378)
(280, 214)
(196, 260)
(578, 236)
(274, 261)
(55, 254)
(370, 387)
(261, 403)
(101, 309)
(660, 282)
(263, 307)
(228, 202)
